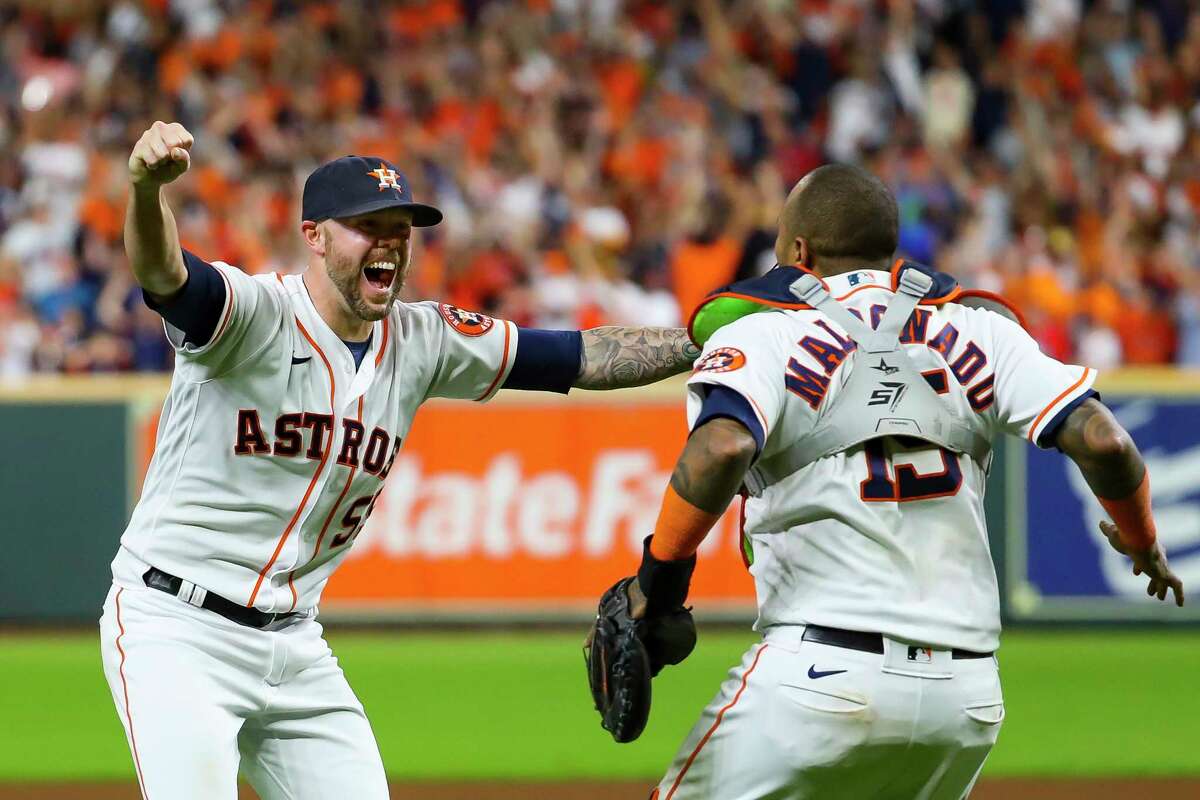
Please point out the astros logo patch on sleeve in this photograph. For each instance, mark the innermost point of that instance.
(723, 359)
(468, 323)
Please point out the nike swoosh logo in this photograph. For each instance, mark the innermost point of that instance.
(301, 359)
(814, 673)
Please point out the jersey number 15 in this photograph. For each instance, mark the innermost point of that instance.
(907, 484)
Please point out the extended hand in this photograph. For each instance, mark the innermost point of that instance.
(161, 155)
(1152, 562)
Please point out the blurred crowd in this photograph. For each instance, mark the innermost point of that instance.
(610, 161)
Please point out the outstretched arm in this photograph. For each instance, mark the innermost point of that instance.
(616, 357)
(1113, 468)
(1104, 451)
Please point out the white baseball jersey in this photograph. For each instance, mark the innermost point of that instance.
(883, 537)
(272, 446)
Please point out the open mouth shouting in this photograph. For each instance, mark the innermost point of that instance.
(380, 275)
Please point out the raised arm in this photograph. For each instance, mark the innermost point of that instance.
(1113, 468)
(616, 357)
(151, 238)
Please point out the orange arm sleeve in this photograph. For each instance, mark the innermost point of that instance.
(1132, 516)
(680, 529)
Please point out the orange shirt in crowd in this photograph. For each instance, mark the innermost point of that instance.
(1089, 232)
(422, 20)
(1041, 288)
(640, 161)
(1102, 302)
(697, 268)
(621, 87)
(105, 216)
(1147, 335)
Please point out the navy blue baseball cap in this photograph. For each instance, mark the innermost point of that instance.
(353, 185)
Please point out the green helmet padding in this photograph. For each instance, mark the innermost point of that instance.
(718, 312)
(773, 291)
(730, 303)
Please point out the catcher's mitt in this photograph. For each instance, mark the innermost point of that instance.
(622, 654)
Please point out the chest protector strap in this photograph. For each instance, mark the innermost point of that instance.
(883, 393)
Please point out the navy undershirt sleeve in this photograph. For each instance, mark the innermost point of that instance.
(545, 360)
(1050, 432)
(721, 401)
(196, 309)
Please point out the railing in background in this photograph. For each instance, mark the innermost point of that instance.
(527, 507)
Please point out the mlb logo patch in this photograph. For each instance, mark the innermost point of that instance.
(920, 655)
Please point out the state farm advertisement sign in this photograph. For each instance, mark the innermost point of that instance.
(526, 507)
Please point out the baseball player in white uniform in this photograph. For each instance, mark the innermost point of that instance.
(857, 412)
(291, 396)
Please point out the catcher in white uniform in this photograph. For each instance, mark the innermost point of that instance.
(290, 398)
(857, 410)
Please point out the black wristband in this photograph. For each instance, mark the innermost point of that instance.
(665, 583)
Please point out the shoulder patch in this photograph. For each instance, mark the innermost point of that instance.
(468, 323)
(723, 359)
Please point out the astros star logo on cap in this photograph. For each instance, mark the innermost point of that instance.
(386, 176)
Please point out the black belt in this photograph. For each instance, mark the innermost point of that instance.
(157, 579)
(866, 642)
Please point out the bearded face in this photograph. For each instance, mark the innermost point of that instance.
(367, 259)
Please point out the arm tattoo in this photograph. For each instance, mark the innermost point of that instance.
(615, 358)
(1103, 450)
(710, 470)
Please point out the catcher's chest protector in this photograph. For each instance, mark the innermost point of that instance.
(882, 394)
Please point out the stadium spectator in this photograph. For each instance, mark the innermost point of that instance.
(610, 161)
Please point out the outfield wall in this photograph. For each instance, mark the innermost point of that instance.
(528, 506)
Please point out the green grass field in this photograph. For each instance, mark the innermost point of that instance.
(499, 705)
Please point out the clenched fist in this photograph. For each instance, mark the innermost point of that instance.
(161, 155)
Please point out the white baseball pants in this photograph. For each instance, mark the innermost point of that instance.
(201, 697)
(799, 720)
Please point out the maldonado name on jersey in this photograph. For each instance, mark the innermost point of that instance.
(965, 363)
